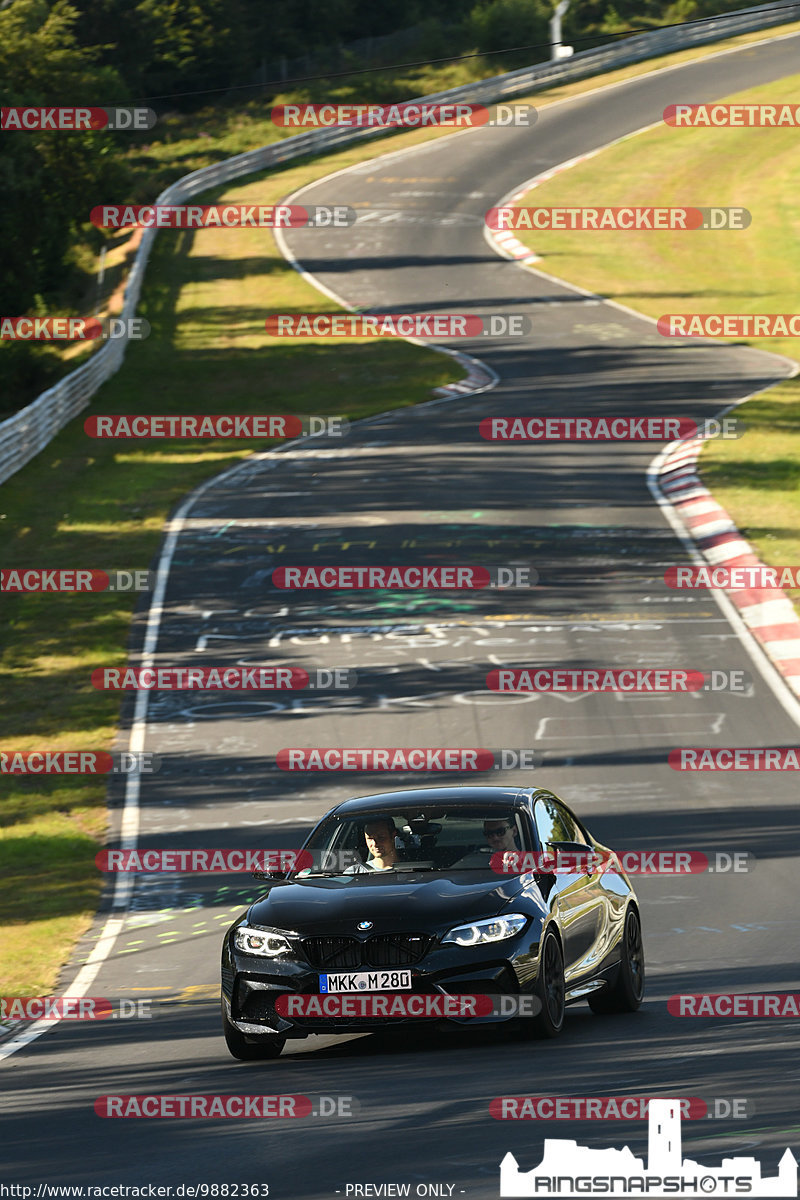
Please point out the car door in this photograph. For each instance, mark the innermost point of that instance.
(579, 895)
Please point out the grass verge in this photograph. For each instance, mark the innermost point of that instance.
(83, 502)
(92, 503)
(184, 142)
(754, 270)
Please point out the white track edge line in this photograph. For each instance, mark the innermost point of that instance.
(130, 817)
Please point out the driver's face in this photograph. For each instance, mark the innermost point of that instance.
(499, 835)
(380, 840)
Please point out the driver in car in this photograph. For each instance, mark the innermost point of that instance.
(500, 835)
(380, 835)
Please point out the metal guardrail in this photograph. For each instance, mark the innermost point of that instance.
(32, 428)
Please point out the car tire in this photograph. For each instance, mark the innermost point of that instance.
(625, 994)
(267, 1045)
(549, 1021)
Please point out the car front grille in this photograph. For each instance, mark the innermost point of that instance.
(381, 950)
(333, 951)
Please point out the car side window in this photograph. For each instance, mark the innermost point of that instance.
(575, 832)
(551, 821)
(554, 823)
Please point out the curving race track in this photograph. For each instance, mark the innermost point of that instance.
(406, 487)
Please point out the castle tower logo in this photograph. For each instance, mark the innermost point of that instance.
(568, 1169)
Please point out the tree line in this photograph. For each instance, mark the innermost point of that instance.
(183, 54)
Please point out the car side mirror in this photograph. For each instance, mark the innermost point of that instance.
(270, 876)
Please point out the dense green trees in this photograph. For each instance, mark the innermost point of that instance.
(49, 180)
(181, 54)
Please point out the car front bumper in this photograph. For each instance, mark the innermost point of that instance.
(250, 989)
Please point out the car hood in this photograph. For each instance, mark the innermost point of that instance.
(392, 901)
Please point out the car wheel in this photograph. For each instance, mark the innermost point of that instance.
(625, 994)
(267, 1045)
(549, 1021)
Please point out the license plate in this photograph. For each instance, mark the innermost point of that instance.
(366, 981)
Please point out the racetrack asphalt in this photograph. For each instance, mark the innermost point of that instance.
(420, 485)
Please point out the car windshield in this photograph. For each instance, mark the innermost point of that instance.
(427, 838)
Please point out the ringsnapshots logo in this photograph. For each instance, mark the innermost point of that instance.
(626, 219)
(568, 1169)
(222, 216)
(404, 115)
(74, 119)
(402, 325)
(606, 429)
(228, 425)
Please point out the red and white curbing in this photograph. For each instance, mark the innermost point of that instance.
(503, 240)
(510, 246)
(767, 612)
(479, 376)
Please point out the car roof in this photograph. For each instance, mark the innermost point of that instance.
(391, 801)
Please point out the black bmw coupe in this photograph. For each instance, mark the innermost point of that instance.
(462, 904)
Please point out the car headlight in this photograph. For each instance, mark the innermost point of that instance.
(495, 930)
(266, 943)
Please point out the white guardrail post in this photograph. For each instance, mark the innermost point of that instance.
(29, 431)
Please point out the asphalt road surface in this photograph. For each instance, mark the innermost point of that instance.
(421, 486)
